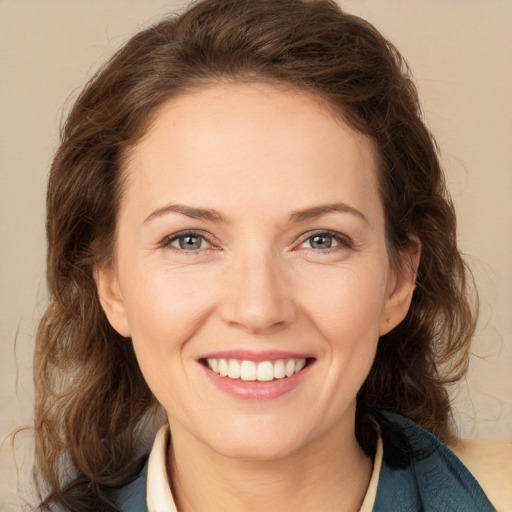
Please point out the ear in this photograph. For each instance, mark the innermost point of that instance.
(109, 293)
(400, 288)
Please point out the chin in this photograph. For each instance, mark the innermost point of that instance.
(258, 439)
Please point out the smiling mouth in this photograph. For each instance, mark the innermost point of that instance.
(251, 371)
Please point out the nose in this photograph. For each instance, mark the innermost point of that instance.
(258, 296)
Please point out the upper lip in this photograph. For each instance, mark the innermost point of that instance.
(256, 356)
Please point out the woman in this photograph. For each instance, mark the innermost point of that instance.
(248, 228)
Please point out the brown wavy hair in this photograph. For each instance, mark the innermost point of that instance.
(91, 399)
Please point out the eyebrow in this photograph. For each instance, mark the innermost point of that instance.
(318, 211)
(190, 211)
(215, 216)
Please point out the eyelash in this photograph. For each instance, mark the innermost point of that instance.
(343, 241)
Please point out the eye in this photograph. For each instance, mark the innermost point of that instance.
(188, 242)
(322, 241)
(326, 240)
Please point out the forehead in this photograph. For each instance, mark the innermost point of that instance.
(252, 139)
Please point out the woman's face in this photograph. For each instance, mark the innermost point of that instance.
(251, 242)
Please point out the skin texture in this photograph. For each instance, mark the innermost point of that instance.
(255, 154)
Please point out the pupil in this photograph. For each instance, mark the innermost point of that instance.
(321, 242)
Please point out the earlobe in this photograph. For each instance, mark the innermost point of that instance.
(107, 284)
(402, 284)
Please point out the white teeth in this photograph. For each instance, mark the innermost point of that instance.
(264, 371)
(299, 364)
(290, 367)
(248, 370)
(214, 365)
(279, 371)
(223, 368)
(233, 369)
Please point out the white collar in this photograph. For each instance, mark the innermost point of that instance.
(158, 491)
(159, 497)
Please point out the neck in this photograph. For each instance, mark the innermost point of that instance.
(331, 473)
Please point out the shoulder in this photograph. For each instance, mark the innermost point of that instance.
(491, 465)
(419, 472)
(132, 497)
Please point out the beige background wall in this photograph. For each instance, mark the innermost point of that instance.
(459, 51)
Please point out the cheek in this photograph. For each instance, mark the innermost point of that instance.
(166, 307)
(165, 310)
(158, 304)
(346, 303)
(347, 315)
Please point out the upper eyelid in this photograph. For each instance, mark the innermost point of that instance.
(328, 232)
(186, 232)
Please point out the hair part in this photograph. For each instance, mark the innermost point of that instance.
(91, 399)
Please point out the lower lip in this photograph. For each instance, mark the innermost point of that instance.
(256, 390)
